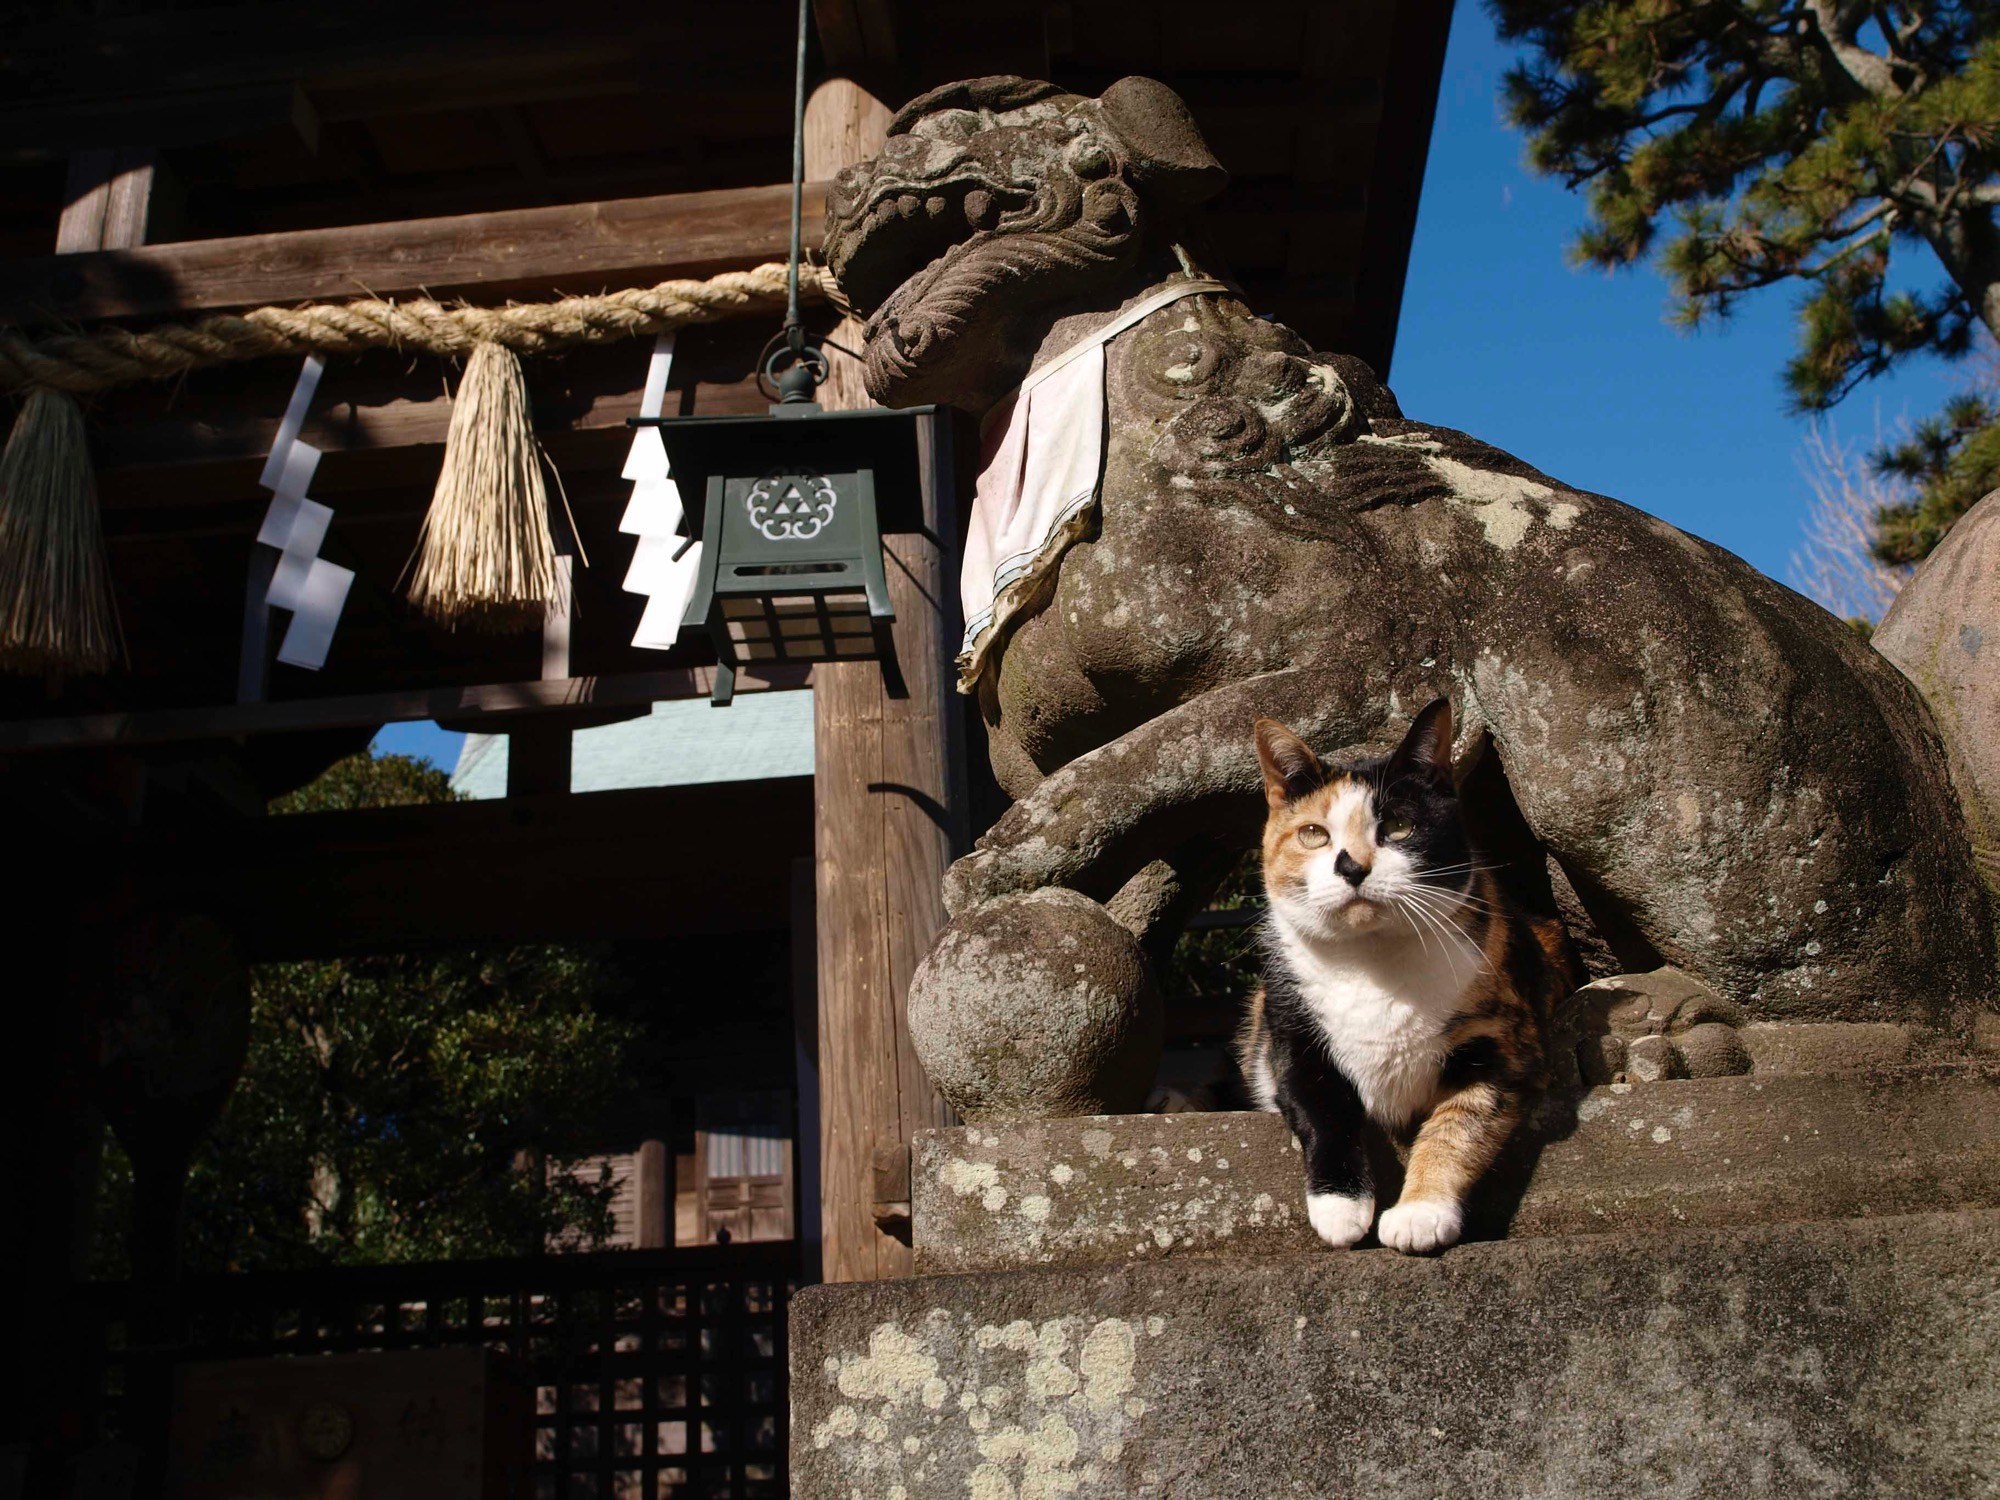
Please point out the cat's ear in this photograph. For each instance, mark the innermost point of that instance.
(1426, 749)
(1290, 768)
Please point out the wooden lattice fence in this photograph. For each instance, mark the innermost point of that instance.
(659, 1374)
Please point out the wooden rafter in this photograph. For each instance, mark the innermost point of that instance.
(492, 708)
(639, 863)
(858, 37)
(378, 58)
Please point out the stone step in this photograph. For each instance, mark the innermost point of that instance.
(1675, 1153)
(1852, 1358)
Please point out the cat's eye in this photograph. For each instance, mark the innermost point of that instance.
(1396, 829)
(1312, 835)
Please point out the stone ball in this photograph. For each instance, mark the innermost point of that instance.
(1037, 1005)
(1712, 1050)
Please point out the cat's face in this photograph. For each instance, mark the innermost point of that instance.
(1371, 850)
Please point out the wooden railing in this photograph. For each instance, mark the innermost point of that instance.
(657, 1373)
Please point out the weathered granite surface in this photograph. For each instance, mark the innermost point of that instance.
(1943, 632)
(1106, 1187)
(1649, 1156)
(1728, 778)
(1837, 1047)
(1845, 1359)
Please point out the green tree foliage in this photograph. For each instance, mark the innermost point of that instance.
(402, 1107)
(1749, 143)
(1950, 460)
(1216, 967)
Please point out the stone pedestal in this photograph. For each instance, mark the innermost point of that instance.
(1763, 1285)
(1851, 1357)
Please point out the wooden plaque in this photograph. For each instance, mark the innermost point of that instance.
(429, 1424)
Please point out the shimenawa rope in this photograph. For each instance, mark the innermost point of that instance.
(99, 358)
(485, 555)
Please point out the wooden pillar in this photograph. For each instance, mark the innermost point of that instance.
(653, 1212)
(889, 817)
(45, 1353)
(540, 756)
(53, 1138)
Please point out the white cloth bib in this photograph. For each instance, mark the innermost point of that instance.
(1040, 463)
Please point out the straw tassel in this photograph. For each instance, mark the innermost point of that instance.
(56, 610)
(486, 557)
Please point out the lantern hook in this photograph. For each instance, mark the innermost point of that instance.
(789, 374)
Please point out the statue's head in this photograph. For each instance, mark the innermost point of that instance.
(994, 200)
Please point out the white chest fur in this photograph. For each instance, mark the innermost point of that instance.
(1382, 1009)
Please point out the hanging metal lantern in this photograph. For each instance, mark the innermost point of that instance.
(790, 509)
(792, 506)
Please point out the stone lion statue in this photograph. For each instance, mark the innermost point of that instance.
(1692, 764)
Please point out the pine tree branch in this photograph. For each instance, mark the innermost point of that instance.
(1898, 41)
(1837, 26)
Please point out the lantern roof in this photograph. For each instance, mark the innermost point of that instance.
(879, 439)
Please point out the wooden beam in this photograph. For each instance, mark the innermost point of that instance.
(570, 248)
(491, 708)
(650, 862)
(364, 413)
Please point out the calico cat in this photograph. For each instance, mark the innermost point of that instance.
(1403, 997)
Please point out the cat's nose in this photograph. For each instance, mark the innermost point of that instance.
(1351, 869)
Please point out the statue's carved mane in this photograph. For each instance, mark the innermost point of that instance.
(993, 199)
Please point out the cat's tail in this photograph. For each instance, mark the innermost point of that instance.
(1254, 1076)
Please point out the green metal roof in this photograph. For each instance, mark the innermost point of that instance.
(683, 743)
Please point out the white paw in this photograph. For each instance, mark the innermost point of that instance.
(1339, 1219)
(1419, 1227)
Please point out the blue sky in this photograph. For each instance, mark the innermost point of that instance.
(1577, 372)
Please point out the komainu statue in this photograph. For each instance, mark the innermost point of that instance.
(1188, 518)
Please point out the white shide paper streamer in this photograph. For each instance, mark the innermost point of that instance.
(313, 589)
(664, 562)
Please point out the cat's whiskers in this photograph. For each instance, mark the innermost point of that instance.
(1414, 913)
(1462, 900)
(1437, 875)
(1439, 909)
(1402, 910)
(1447, 904)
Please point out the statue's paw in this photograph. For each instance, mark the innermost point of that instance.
(1421, 1227)
(968, 883)
(988, 874)
(1338, 1219)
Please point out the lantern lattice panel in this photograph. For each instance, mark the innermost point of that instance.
(800, 627)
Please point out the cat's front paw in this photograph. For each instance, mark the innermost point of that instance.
(1339, 1219)
(1421, 1226)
